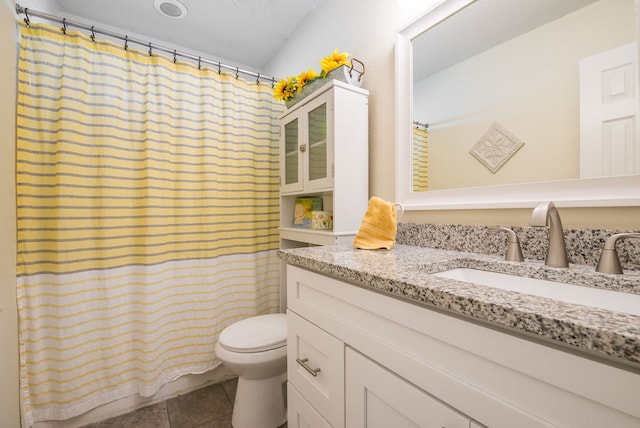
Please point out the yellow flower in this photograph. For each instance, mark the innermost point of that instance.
(333, 61)
(285, 89)
(306, 77)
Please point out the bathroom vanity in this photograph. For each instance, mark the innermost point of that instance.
(375, 339)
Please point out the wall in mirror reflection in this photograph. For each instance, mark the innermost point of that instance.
(528, 85)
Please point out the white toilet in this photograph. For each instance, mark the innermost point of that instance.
(256, 350)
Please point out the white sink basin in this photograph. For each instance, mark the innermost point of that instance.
(595, 297)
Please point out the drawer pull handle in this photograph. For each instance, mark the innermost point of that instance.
(303, 363)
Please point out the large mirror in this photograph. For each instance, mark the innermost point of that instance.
(522, 100)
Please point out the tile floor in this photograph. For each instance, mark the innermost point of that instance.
(208, 407)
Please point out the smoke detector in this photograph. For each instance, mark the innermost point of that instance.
(170, 8)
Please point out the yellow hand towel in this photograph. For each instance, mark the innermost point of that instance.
(379, 226)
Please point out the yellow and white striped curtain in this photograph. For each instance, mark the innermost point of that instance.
(420, 176)
(147, 197)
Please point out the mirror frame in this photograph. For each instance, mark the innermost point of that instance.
(592, 192)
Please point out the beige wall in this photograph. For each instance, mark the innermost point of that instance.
(9, 404)
(367, 29)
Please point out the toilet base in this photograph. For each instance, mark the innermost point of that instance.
(260, 403)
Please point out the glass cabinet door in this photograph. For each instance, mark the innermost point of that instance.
(318, 161)
(306, 160)
(292, 157)
(317, 123)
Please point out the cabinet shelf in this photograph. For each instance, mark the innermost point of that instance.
(315, 236)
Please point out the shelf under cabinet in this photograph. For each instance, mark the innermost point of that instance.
(316, 237)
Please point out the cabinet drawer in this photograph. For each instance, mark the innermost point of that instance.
(377, 398)
(315, 366)
(300, 414)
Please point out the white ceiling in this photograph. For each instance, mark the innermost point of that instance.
(245, 32)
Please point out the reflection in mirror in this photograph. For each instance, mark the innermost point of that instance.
(516, 97)
(419, 156)
(523, 74)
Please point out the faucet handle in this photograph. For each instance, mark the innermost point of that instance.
(609, 262)
(514, 252)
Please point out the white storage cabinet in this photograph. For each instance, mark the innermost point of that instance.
(324, 152)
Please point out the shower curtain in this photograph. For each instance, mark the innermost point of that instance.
(147, 198)
(420, 177)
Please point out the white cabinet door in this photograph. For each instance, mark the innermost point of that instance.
(315, 367)
(378, 398)
(291, 165)
(300, 414)
(318, 156)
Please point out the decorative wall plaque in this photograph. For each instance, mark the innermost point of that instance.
(496, 147)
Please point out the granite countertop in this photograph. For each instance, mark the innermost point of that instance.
(405, 273)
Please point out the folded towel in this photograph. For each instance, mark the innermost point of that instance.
(379, 226)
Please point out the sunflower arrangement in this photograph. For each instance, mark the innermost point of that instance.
(288, 87)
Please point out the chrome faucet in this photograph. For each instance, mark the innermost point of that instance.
(514, 252)
(546, 213)
(609, 261)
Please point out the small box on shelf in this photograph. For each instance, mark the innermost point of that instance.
(322, 220)
(302, 211)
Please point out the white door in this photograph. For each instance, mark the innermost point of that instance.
(609, 106)
(378, 398)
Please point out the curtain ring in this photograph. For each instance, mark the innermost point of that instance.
(126, 42)
(258, 79)
(199, 62)
(64, 26)
(174, 56)
(273, 82)
(237, 72)
(150, 53)
(219, 68)
(93, 34)
(27, 21)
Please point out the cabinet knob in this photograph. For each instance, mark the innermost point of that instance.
(303, 362)
(303, 148)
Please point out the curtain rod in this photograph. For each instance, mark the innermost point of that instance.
(126, 39)
(424, 125)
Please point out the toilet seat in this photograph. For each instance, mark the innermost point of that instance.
(255, 334)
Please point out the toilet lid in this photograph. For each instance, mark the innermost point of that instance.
(256, 334)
